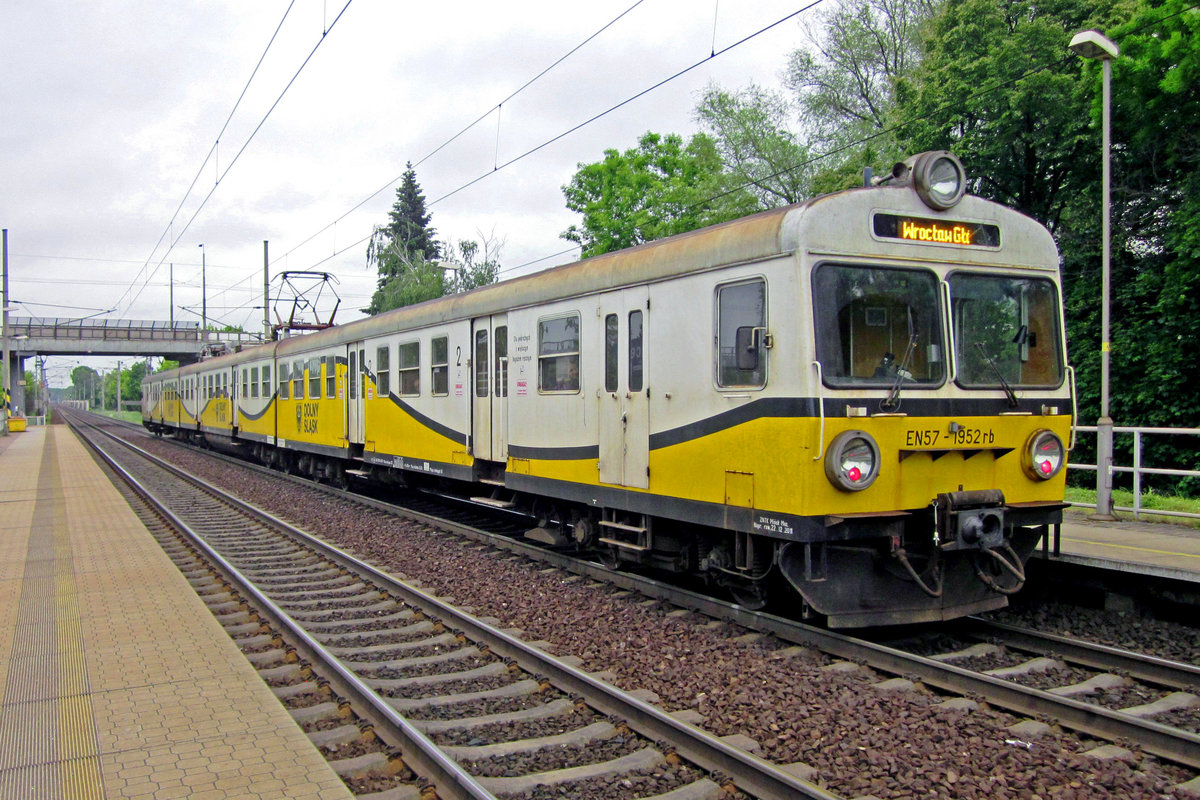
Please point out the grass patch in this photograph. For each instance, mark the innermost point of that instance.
(1150, 502)
(128, 416)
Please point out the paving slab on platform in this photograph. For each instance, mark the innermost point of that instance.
(97, 701)
(1149, 548)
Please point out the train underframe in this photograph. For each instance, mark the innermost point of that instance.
(965, 553)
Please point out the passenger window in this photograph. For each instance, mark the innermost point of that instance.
(314, 378)
(253, 382)
(266, 381)
(481, 363)
(558, 354)
(331, 376)
(612, 341)
(635, 351)
(298, 380)
(383, 371)
(440, 365)
(500, 373)
(741, 325)
(284, 382)
(245, 382)
(409, 368)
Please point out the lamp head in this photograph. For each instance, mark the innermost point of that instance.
(1094, 44)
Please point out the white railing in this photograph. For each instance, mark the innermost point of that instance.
(1138, 470)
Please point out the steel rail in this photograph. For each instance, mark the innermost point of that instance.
(1154, 738)
(747, 771)
(1150, 669)
(421, 754)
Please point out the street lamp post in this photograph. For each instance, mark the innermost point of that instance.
(203, 294)
(1093, 44)
(7, 388)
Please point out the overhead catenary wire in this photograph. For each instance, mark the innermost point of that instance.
(496, 167)
(791, 167)
(212, 150)
(245, 144)
(948, 106)
(493, 109)
(659, 84)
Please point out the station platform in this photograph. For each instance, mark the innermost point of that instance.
(97, 702)
(1157, 549)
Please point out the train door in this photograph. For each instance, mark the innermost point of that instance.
(624, 406)
(356, 354)
(489, 394)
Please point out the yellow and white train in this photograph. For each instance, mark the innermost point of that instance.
(861, 400)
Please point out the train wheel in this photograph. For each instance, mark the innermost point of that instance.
(609, 556)
(750, 595)
(583, 532)
(338, 476)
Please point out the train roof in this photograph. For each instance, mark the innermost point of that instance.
(760, 236)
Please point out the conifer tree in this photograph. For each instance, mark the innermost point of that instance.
(405, 251)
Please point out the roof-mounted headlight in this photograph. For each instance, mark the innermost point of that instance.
(938, 177)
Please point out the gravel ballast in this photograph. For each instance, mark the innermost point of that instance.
(859, 740)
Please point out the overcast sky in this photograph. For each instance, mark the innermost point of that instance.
(109, 110)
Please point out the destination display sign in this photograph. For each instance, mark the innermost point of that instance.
(937, 231)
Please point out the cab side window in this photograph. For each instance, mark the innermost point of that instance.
(741, 334)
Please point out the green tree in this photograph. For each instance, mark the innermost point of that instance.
(1156, 188)
(85, 383)
(131, 384)
(759, 150)
(416, 281)
(844, 81)
(474, 264)
(659, 188)
(405, 251)
(408, 225)
(999, 87)
(33, 392)
(835, 119)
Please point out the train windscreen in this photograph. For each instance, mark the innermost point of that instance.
(1005, 326)
(877, 326)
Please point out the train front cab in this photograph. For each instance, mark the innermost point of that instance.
(945, 413)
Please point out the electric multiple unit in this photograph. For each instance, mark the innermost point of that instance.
(857, 404)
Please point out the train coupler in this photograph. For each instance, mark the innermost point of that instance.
(971, 520)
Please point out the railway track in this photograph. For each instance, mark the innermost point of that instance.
(473, 709)
(946, 675)
(1130, 684)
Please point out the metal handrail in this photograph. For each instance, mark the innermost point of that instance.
(1138, 470)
